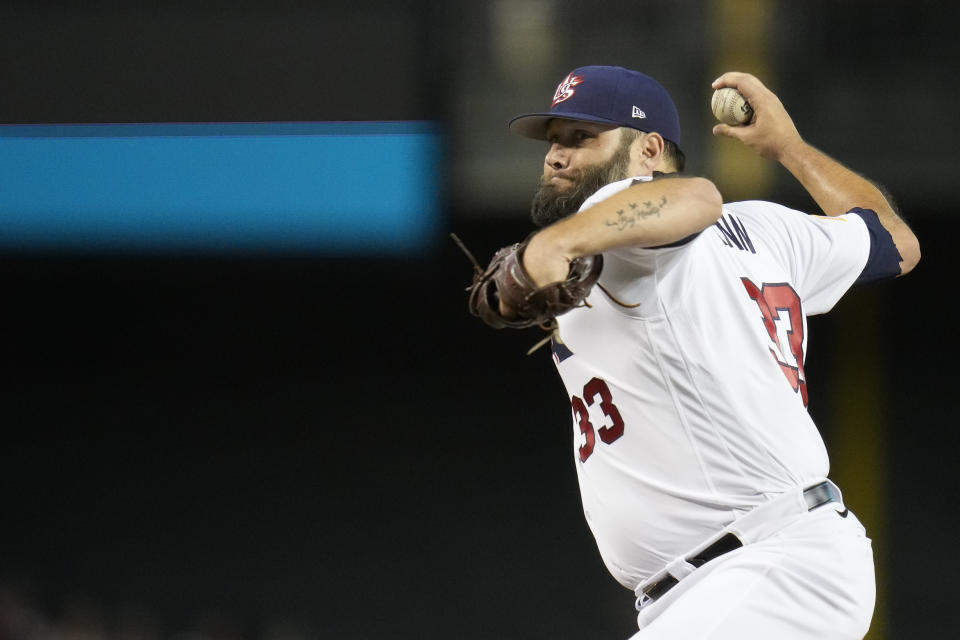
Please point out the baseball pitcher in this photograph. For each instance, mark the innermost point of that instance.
(679, 328)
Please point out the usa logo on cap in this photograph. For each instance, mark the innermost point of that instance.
(565, 89)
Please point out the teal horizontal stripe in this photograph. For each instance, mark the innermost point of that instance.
(329, 187)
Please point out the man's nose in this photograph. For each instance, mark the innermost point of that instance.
(557, 156)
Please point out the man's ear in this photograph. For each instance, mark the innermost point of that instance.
(652, 146)
(646, 154)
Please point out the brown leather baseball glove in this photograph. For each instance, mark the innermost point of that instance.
(505, 280)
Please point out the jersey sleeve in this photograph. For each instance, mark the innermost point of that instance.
(824, 255)
(884, 260)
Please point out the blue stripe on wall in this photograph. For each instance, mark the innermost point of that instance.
(330, 187)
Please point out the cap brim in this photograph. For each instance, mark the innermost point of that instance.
(534, 125)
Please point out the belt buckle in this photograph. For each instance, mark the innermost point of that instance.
(657, 585)
(820, 494)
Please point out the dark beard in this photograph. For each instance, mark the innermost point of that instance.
(550, 204)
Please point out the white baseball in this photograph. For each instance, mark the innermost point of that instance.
(730, 107)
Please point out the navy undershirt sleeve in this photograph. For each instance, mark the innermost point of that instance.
(884, 259)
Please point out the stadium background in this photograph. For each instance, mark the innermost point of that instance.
(323, 443)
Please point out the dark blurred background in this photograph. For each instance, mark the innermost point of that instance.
(267, 445)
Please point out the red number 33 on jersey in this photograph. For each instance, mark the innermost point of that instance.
(780, 307)
(595, 390)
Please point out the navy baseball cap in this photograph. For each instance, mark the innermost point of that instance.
(607, 95)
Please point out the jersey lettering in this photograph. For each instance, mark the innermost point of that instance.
(783, 319)
(734, 234)
(594, 389)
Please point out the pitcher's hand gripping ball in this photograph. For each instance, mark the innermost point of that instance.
(505, 280)
(730, 107)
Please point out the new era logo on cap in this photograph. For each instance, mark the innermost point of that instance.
(606, 95)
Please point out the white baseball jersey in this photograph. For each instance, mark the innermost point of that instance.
(689, 406)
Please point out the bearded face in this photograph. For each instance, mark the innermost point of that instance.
(551, 203)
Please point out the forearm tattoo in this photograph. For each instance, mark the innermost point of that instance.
(627, 218)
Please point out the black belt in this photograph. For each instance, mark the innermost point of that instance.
(815, 496)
